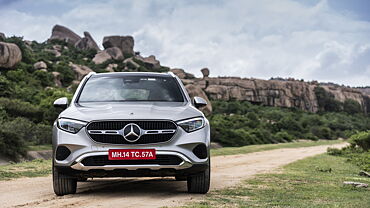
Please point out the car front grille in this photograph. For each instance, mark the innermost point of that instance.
(147, 125)
(102, 160)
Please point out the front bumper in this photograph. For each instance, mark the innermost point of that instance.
(186, 163)
(82, 146)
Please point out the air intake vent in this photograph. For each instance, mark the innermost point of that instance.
(62, 153)
(103, 160)
(200, 151)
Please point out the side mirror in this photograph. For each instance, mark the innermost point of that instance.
(199, 102)
(61, 103)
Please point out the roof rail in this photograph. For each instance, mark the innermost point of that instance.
(90, 73)
(172, 74)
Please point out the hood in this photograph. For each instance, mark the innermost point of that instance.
(131, 110)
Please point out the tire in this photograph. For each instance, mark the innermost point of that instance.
(180, 178)
(82, 179)
(199, 183)
(63, 184)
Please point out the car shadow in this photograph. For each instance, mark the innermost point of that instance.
(132, 187)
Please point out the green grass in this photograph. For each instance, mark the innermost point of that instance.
(33, 168)
(311, 182)
(264, 147)
(39, 147)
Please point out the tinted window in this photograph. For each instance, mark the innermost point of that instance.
(131, 88)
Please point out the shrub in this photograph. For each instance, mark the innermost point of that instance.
(11, 144)
(361, 140)
(322, 132)
(283, 136)
(16, 108)
(5, 87)
(351, 106)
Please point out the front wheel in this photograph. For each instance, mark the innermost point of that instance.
(199, 183)
(63, 184)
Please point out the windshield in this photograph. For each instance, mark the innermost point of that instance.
(131, 88)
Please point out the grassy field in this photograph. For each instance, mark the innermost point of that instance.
(264, 147)
(312, 182)
(43, 167)
(25, 169)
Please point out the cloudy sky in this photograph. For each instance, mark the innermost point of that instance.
(325, 40)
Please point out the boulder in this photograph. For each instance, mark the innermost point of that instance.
(195, 90)
(64, 34)
(2, 36)
(80, 70)
(57, 79)
(179, 72)
(125, 43)
(40, 65)
(107, 54)
(115, 53)
(205, 72)
(87, 42)
(101, 57)
(150, 61)
(111, 67)
(10, 55)
(53, 51)
(182, 74)
(130, 61)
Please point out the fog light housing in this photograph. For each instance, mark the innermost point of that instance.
(62, 153)
(200, 151)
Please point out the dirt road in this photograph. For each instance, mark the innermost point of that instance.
(148, 192)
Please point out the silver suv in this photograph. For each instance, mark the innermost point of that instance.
(131, 125)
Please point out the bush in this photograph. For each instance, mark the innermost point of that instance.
(283, 136)
(322, 132)
(16, 108)
(361, 140)
(351, 106)
(5, 87)
(11, 144)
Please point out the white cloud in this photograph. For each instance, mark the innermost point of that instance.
(262, 39)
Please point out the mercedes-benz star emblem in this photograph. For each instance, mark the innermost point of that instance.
(131, 132)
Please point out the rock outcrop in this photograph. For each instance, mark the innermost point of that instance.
(2, 36)
(57, 79)
(115, 53)
(87, 42)
(10, 55)
(40, 65)
(64, 34)
(280, 93)
(101, 57)
(124, 43)
(205, 72)
(151, 62)
(80, 71)
(182, 74)
(195, 90)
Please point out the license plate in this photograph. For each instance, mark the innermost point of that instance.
(131, 154)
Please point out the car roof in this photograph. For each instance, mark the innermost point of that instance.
(124, 74)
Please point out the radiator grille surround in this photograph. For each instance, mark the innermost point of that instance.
(149, 126)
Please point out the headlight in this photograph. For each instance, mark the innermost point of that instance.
(69, 125)
(192, 124)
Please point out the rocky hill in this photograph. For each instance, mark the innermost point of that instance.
(119, 55)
